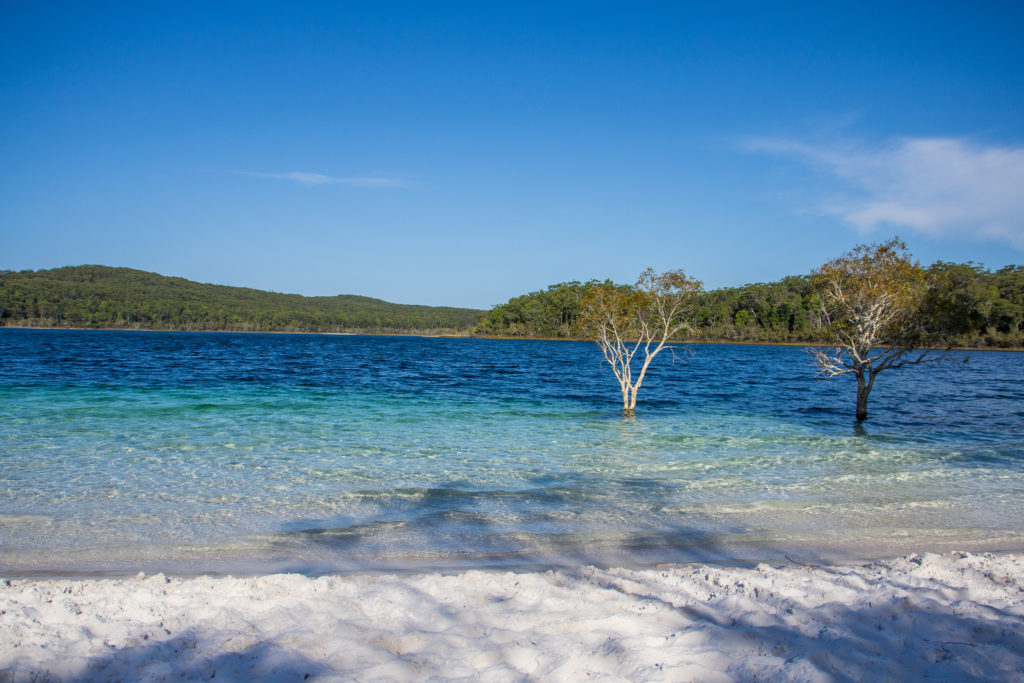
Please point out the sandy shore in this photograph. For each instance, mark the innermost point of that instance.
(942, 617)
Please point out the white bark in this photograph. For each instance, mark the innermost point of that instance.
(637, 330)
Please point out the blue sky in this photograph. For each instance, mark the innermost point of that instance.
(464, 153)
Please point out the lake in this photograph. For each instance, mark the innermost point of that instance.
(246, 453)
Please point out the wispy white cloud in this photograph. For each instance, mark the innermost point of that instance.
(942, 187)
(310, 179)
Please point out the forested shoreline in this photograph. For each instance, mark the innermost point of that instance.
(989, 306)
(986, 308)
(124, 298)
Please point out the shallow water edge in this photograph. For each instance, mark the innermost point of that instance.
(207, 452)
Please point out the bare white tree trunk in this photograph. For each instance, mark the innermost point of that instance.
(625, 322)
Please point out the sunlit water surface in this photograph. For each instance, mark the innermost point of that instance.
(188, 452)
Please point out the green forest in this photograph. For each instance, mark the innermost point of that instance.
(105, 297)
(988, 305)
(988, 308)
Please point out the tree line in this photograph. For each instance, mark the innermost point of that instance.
(106, 297)
(986, 309)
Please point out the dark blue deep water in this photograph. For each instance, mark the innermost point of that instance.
(190, 452)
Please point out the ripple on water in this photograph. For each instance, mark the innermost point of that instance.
(337, 452)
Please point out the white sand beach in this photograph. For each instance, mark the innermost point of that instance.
(942, 617)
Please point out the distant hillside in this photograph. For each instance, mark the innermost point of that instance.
(101, 296)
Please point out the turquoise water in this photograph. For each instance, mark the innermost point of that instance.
(238, 453)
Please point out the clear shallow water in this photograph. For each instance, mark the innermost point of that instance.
(240, 453)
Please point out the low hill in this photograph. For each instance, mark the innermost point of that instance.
(106, 297)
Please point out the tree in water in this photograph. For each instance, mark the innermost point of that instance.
(637, 323)
(874, 301)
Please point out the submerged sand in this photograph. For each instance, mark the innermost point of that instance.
(944, 617)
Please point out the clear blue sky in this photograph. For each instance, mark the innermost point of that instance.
(464, 153)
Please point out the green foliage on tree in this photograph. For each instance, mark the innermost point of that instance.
(101, 296)
(980, 308)
(551, 313)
